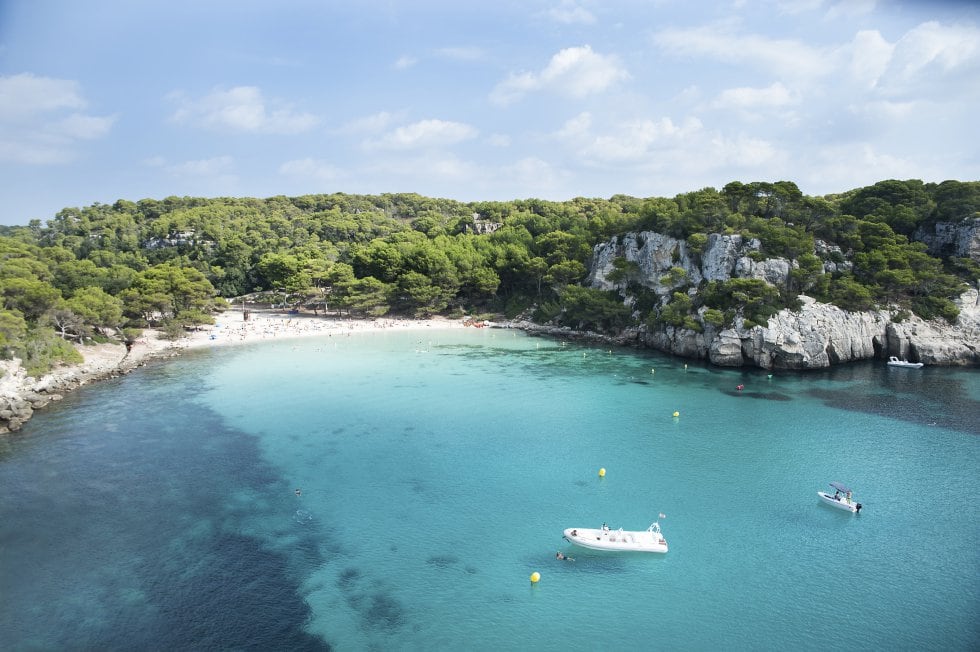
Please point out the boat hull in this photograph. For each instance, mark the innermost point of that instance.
(839, 503)
(895, 362)
(617, 540)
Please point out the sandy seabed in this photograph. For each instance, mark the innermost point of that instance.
(230, 328)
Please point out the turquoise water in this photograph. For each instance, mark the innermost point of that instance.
(437, 470)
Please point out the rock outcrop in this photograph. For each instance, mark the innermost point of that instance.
(21, 395)
(960, 239)
(815, 336)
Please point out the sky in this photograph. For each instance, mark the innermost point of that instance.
(470, 100)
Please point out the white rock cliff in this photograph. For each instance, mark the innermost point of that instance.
(816, 336)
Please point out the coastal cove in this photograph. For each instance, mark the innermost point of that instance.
(437, 468)
(20, 394)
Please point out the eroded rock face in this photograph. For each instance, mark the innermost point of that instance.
(816, 336)
(960, 239)
(655, 255)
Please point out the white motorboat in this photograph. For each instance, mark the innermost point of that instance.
(895, 362)
(841, 498)
(604, 538)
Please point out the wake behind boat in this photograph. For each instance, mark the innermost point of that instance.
(648, 540)
(841, 498)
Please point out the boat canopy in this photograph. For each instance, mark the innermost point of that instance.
(839, 486)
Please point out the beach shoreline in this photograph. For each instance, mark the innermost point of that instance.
(21, 395)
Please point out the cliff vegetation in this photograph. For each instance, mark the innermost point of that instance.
(711, 259)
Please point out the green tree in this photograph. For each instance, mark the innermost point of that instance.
(96, 307)
(590, 309)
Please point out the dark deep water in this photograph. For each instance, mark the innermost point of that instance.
(157, 511)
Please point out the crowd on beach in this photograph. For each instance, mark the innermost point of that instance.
(238, 327)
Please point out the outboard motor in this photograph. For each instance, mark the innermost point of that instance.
(858, 507)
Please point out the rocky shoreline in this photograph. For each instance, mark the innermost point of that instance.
(818, 336)
(21, 395)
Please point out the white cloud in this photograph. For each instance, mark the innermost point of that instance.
(424, 134)
(625, 142)
(891, 111)
(794, 7)
(839, 167)
(772, 97)
(26, 94)
(309, 168)
(219, 166)
(850, 9)
(405, 61)
(499, 140)
(869, 56)
(84, 127)
(654, 154)
(534, 177)
(570, 12)
(40, 122)
(242, 108)
(930, 53)
(784, 57)
(371, 124)
(740, 151)
(575, 72)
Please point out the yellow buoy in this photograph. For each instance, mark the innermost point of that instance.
(676, 414)
(535, 576)
(602, 472)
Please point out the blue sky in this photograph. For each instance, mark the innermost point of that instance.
(114, 99)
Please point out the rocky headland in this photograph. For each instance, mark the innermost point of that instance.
(817, 335)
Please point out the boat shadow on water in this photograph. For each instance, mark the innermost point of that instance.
(766, 396)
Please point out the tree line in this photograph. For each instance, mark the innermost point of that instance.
(107, 271)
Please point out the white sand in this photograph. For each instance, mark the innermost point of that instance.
(231, 328)
(105, 360)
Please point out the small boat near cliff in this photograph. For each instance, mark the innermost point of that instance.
(896, 362)
(841, 498)
(604, 538)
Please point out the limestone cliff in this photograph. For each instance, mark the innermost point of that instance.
(815, 336)
(960, 239)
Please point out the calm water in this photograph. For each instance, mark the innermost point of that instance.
(437, 470)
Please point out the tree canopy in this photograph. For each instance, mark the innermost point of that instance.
(92, 271)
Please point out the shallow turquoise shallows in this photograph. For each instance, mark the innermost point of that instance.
(396, 490)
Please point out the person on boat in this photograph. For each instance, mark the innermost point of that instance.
(848, 497)
(837, 494)
(574, 533)
(605, 528)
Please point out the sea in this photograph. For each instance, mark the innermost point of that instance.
(396, 490)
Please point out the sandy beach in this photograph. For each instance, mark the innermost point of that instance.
(231, 328)
(20, 394)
